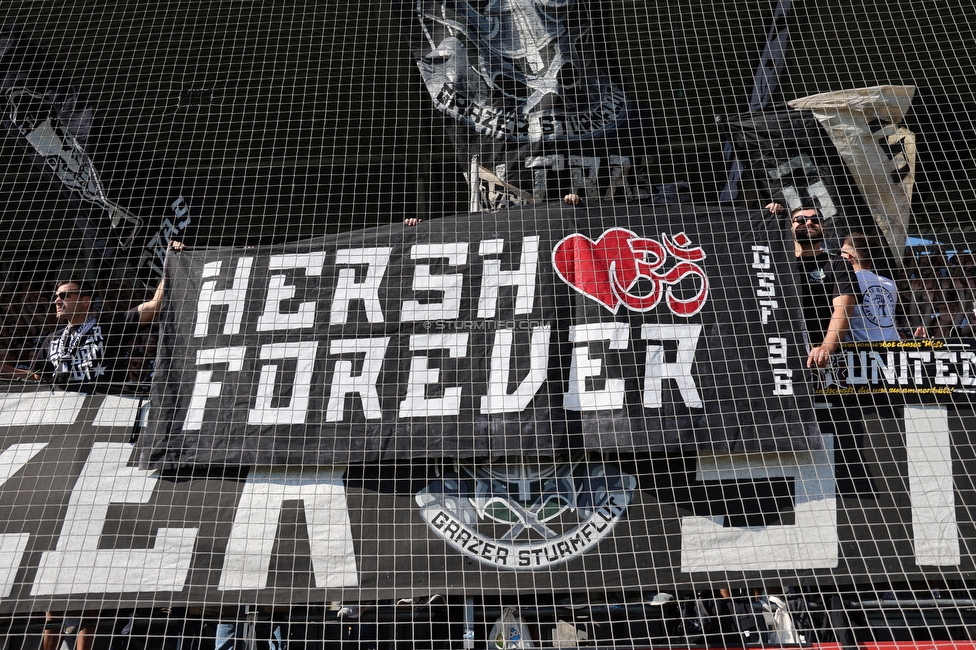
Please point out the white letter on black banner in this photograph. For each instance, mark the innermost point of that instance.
(278, 292)
(13, 545)
(364, 384)
(810, 543)
(449, 284)
(78, 565)
(583, 366)
(234, 297)
(294, 413)
(204, 388)
(247, 559)
(522, 278)
(928, 446)
(498, 399)
(415, 403)
(347, 289)
(656, 370)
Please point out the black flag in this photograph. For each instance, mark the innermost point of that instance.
(129, 206)
(532, 98)
(533, 333)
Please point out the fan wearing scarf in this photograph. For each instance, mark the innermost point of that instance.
(88, 353)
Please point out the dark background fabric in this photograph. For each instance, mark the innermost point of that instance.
(397, 555)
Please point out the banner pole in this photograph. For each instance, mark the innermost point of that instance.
(474, 180)
(468, 643)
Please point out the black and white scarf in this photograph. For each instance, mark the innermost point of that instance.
(63, 349)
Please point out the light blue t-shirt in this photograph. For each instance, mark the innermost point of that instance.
(874, 316)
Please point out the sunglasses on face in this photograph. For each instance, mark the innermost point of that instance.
(61, 295)
(815, 220)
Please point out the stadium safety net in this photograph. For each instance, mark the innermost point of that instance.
(466, 324)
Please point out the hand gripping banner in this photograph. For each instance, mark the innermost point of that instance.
(536, 332)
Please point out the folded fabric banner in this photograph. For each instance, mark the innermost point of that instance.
(846, 152)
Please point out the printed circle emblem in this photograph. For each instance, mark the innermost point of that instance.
(876, 306)
(526, 515)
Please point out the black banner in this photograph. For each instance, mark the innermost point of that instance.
(792, 161)
(912, 370)
(764, 84)
(129, 206)
(83, 527)
(533, 332)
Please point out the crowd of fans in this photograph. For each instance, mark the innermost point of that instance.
(27, 317)
(938, 292)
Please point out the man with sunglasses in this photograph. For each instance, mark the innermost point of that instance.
(88, 353)
(829, 293)
(829, 289)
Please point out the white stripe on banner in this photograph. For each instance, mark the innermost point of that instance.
(928, 446)
(811, 543)
(43, 407)
(13, 545)
(247, 560)
(117, 411)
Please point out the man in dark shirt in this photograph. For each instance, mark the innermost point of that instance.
(828, 288)
(829, 294)
(88, 353)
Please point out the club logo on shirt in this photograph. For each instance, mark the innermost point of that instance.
(877, 306)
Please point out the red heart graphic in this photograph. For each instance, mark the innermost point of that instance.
(607, 270)
(588, 266)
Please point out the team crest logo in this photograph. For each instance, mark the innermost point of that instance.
(622, 268)
(526, 515)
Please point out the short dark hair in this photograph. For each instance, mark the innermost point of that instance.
(84, 288)
(868, 247)
(804, 207)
